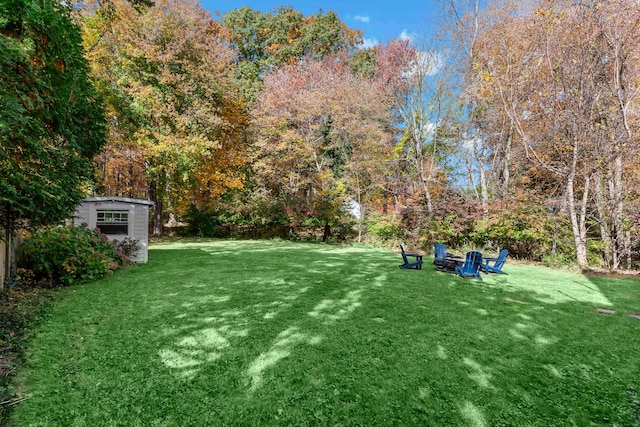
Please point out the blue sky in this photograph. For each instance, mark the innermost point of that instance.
(381, 20)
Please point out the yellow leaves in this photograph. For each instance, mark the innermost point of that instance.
(486, 76)
(544, 12)
(476, 64)
(273, 47)
(176, 114)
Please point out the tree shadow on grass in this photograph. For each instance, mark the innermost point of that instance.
(513, 331)
(534, 326)
(542, 327)
(284, 333)
(261, 283)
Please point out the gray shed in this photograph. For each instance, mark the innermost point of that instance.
(118, 217)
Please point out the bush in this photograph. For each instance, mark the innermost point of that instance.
(128, 248)
(528, 231)
(385, 228)
(202, 223)
(450, 230)
(559, 260)
(256, 214)
(70, 254)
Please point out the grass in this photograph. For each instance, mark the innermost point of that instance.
(21, 307)
(280, 333)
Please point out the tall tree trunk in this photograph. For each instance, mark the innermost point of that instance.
(471, 182)
(327, 232)
(506, 176)
(578, 223)
(158, 226)
(578, 220)
(424, 177)
(360, 213)
(603, 219)
(396, 205)
(7, 254)
(627, 249)
(427, 198)
(626, 90)
(480, 154)
(617, 213)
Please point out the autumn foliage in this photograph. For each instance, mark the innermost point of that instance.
(516, 128)
(178, 126)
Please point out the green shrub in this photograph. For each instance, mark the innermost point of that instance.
(70, 254)
(202, 223)
(596, 253)
(528, 232)
(255, 214)
(450, 230)
(559, 260)
(385, 228)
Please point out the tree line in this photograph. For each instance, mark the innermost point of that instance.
(516, 127)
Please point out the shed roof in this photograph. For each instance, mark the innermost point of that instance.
(119, 199)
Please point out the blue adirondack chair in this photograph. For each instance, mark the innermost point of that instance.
(442, 259)
(471, 266)
(497, 263)
(417, 263)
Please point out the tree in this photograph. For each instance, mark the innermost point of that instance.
(265, 41)
(562, 77)
(322, 134)
(617, 26)
(51, 123)
(175, 108)
(486, 134)
(411, 81)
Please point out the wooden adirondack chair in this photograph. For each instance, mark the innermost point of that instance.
(471, 266)
(442, 259)
(417, 263)
(497, 263)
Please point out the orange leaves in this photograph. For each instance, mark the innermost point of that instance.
(59, 65)
(178, 120)
(319, 127)
(564, 81)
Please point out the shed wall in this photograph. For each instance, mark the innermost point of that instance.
(138, 222)
(82, 214)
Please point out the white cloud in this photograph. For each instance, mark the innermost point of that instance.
(405, 35)
(426, 64)
(369, 43)
(424, 132)
(469, 145)
(362, 18)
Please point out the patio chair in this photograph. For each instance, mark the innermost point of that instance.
(442, 259)
(471, 266)
(417, 263)
(497, 263)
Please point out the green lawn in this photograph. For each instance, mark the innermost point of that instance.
(280, 333)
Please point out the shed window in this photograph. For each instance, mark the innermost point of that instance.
(113, 221)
